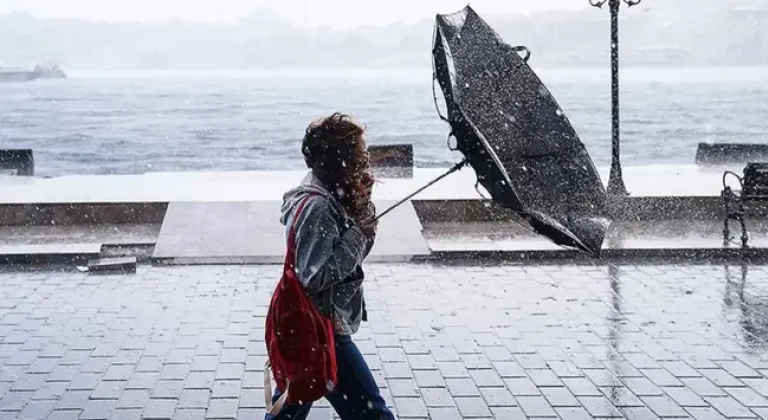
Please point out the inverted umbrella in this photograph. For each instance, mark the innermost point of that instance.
(515, 136)
(512, 132)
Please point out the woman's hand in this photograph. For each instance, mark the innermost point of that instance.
(369, 226)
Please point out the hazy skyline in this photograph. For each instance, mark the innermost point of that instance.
(338, 13)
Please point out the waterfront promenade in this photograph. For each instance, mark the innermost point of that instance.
(445, 342)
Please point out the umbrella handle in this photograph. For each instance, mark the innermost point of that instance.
(455, 168)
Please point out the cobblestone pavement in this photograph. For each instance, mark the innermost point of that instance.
(446, 342)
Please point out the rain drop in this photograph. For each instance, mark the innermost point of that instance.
(559, 112)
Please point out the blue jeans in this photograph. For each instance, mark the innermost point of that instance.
(356, 395)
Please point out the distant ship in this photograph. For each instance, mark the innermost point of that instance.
(8, 74)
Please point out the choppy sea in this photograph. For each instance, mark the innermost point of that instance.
(135, 122)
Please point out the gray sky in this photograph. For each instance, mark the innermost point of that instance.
(339, 13)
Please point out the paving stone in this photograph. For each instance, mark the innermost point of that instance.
(685, 397)
(759, 385)
(452, 370)
(222, 408)
(486, 378)
(254, 397)
(429, 378)
(663, 406)
(85, 381)
(63, 373)
(226, 389)
(160, 409)
(680, 369)
(704, 387)
(445, 354)
(50, 391)
(472, 407)
(729, 407)
(739, 370)
(109, 390)
(747, 396)
(508, 413)
(65, 415)
(447, 413)
(581, 387)
(621, 397)
(521, 386)
(410, 407)
(535, 406)
(37, 410)
(463, 387)
(98, 409)
(142, 380)
(119, 373)
(434, 397)
(544, 377)
(573, 413)
(397, 370)
(721, 377)
(565, 369)
(126, 414)
(599, 406)
(559, 397)
(134, 398)
(403, 388)
(661, 377)
(704, 413)
(420, 362)
(167, 389)
(71, 400)
(171, 372)
(642, 387)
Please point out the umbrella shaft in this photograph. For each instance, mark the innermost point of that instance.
(429, 184)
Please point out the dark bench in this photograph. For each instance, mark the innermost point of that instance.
(753, 189)
(392, 160)
(17, 161)
(714, 154)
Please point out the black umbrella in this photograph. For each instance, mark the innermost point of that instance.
(515, 136)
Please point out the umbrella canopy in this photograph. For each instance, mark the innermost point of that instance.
(515, 136)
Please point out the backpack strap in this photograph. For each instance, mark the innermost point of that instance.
(290, 261)
(290, 254)
(273, 409)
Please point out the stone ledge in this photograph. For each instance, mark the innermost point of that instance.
(613, 256)
(48, 254)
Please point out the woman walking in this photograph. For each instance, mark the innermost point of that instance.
(334, 232)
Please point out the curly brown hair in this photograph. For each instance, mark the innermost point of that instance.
(334, 149)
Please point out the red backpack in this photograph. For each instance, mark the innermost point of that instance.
(300, 341)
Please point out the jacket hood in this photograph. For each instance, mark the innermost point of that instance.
(293, 197)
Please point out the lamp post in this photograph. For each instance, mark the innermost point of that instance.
(616, 185)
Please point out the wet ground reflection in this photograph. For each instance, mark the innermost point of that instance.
(750, 302)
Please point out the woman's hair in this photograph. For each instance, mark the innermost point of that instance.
(333, 150)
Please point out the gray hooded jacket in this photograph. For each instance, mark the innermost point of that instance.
(330, 249)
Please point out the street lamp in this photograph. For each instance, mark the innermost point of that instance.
(616, 185)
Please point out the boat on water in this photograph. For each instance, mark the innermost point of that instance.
(9, 74)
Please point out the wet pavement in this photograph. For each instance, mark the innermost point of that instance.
(450, 342)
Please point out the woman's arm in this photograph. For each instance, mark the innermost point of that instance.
(324, 255)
